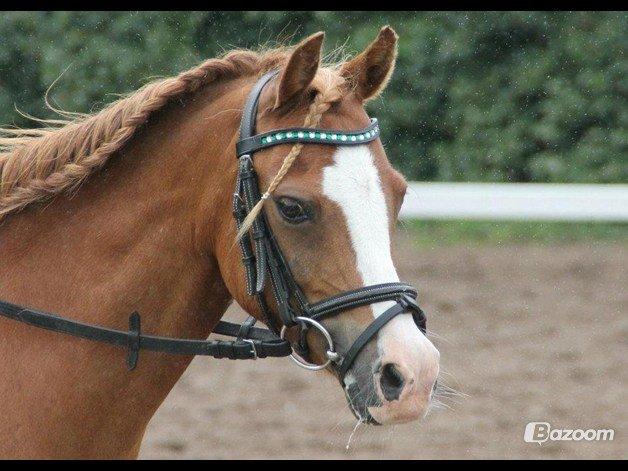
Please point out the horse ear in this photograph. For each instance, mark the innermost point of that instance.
(301, 69)
(370, 71)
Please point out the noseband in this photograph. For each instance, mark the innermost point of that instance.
(263, 260)
(264, 264)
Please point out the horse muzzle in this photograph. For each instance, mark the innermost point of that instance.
(392, 380)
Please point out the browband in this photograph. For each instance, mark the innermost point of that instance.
(307, 136)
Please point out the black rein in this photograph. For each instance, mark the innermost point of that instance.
(263, 261)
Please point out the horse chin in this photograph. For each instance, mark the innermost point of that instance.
(385, 416)
(367, 405)
(359, 408)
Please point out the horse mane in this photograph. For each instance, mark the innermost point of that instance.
(39, 163)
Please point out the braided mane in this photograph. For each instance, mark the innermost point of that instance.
(39, 163)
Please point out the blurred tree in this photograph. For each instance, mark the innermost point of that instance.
(497, 96)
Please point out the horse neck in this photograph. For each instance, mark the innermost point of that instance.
(136, 237)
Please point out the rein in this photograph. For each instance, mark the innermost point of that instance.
(263, 262)
(251, 342)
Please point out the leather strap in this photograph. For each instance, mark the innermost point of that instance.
(360, 297)
(135, 338)
(235, 330)
(366, 336)
(260, 344)
(248, 145)
(249, 112)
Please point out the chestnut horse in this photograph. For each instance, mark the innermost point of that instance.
(129, 209)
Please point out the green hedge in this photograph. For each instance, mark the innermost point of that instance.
(492, 96)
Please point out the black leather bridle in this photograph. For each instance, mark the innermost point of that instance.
(263, 261)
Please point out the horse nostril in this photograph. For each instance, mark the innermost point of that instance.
(391, 381)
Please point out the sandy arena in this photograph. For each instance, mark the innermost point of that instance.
(526, 333)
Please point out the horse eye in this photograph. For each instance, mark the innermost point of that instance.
(292, 210)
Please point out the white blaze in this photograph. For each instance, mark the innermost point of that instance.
(353, 183)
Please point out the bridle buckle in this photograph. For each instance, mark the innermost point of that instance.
(253, 349)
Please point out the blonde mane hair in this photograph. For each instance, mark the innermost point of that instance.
(38, 163)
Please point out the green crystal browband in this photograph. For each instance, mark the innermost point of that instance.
(308, 136)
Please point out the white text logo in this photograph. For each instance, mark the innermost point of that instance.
(540, 432)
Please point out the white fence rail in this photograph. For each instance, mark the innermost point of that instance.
(532, 201)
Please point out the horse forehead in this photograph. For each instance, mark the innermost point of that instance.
(352, 176)
(353, 183)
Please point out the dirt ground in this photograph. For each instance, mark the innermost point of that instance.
(526, 333)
